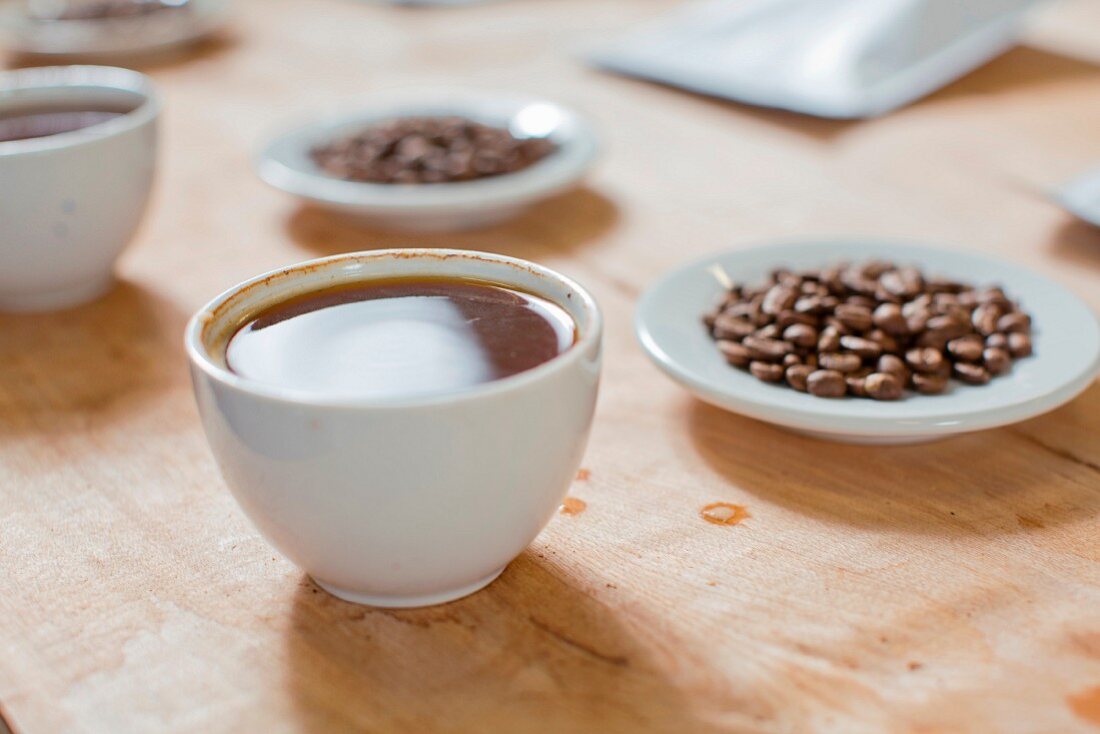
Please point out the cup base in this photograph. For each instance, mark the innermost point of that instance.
(408, 602)
(53, 300)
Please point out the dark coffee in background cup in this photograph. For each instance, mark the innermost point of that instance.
(25, 123)
(398, 338)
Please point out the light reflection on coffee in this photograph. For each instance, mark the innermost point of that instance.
(400, 338)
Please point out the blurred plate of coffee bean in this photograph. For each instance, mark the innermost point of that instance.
(437, 161)
(675, 325)
(105, 30)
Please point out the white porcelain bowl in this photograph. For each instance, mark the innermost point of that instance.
(1081, 197)
(1066, 339)
(287, 165)
(70, 203)
(399, 503)
(114, 38)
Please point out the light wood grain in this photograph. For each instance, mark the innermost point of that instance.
(952, 587)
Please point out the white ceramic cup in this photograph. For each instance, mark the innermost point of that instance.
(70, 203)
(401, 502)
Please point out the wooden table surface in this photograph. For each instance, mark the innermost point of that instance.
(941, 588)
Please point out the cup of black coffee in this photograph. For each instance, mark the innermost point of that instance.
(77, 155)
(401, 423)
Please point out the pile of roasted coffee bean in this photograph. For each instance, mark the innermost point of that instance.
(424, 150)
(869, 330)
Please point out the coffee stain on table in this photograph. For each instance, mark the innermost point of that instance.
(724, 513)
(573, 506)
(1086, 704)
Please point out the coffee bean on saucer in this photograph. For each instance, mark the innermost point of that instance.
(924, 359)
(974, 374)
(732, 327)
(929, 384)
(854, 317)
(860, 346)
(766, 371)
(890, 319)
(800, 335)
(883, 386)
(797, 375)
(768, 350)
(867, 329)
(1019, 345)
(996, 360)
(967, 348)
(1015, 322)
(826, 384)
(734, 353)
(839, 362)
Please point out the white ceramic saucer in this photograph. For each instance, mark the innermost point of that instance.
(1081, 197)
(286, 164)
(1066, 338)
(111, 38)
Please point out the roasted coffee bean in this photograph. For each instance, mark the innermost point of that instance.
(890, 319)
(869, 329)
(929, 384)
(861, 347)
(996, 360)
(917, 321)
(853, 316)
(811, 304)
(884, 340)
(734, 353)
(933, 339)
(826, 384)
(768, 350)
(839, 362)
(779, 298)
(1016, 321)
(837, 325)
(967, 348)
(428, 150)
(732, 327)
(940, 285)
(994, 296)
(985, 318)
(766, 371)
(1019, 345)
(894, 365)
(883, 386)
(829, 341)
(904, 283)
(974, 374)
(865, 301)
(949, 326)
(797, 375)
(771, 331)
(875, 268)
(924, 359)
(791, 317)
(801, 335)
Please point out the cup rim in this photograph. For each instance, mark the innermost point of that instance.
(202, 359)
(78, 77)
